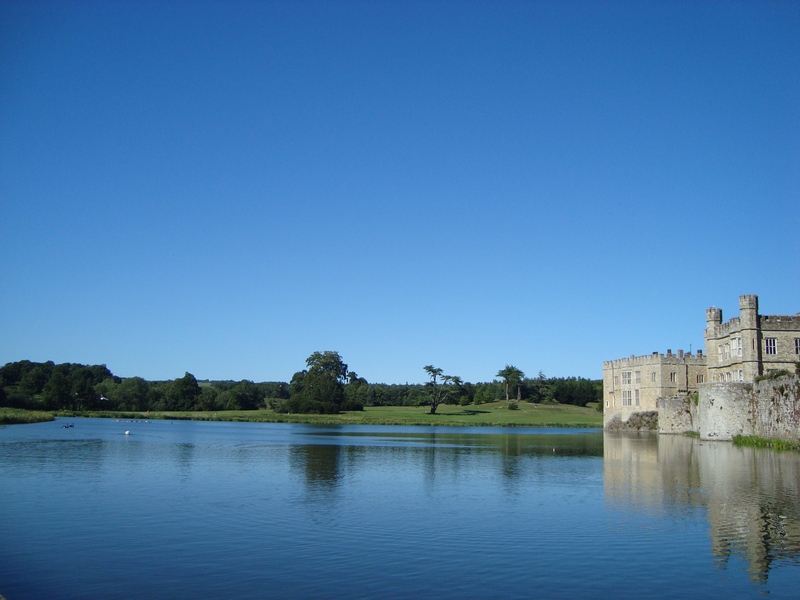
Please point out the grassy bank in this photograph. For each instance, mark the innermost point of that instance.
(495, 414)
(16, 416)
(754, 441)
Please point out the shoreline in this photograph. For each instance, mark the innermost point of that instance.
(487, 415)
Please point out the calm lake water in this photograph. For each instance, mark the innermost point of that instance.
(243, 510)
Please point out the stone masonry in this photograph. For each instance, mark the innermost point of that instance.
(679, 414)
(634, 385)
(750, 345)
(768, 409)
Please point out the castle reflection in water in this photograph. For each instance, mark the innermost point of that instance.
(751, 496)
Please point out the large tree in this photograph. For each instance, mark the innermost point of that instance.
(321, 387)
(56, 392)
(34, 379)
(131, 393)
(245, 395)
(328, 363)
(511, 376)
(440, 385)
(182, 394)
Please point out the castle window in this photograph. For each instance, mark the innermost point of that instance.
(653, 376)
(727, 376)
(636, 396)
(673, 376)
(626, 397)
(700, 378)
(770, 345)
(719, 353)
(797, 345)
(737, 346)
(616, 379)
(741, 375)
(626, 377)
(727, 350)
(638, 377)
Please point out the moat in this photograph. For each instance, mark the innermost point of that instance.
(208, 509)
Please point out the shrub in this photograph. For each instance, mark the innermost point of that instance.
(352, 405)
(772, 375)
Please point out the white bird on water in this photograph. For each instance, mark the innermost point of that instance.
(127, 433)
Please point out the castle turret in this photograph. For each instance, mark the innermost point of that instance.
(751, 338)
(713, 323)
(748, 310)
(713, 317)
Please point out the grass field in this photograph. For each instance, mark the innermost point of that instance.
(755, 441)
(15, 416)
(495, 414)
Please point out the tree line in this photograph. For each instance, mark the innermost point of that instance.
(326, 385)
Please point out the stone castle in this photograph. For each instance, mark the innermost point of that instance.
(634, 385)
(655, 389)
(750, 345)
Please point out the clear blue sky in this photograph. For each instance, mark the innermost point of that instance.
(224, 188)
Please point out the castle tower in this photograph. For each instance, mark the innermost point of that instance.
(713, 322)
(713, 317)
(748, 310)
(751, 336)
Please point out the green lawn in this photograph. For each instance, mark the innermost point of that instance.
(494, 414)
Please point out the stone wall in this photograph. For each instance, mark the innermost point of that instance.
(769, 409)
(776, 407)
(644, 420)
(724, 410)
(678, 414)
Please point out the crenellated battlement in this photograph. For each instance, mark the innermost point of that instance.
(779, 322)
(723, 329)
(748, 302)
(713, 316)
(657, 358)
